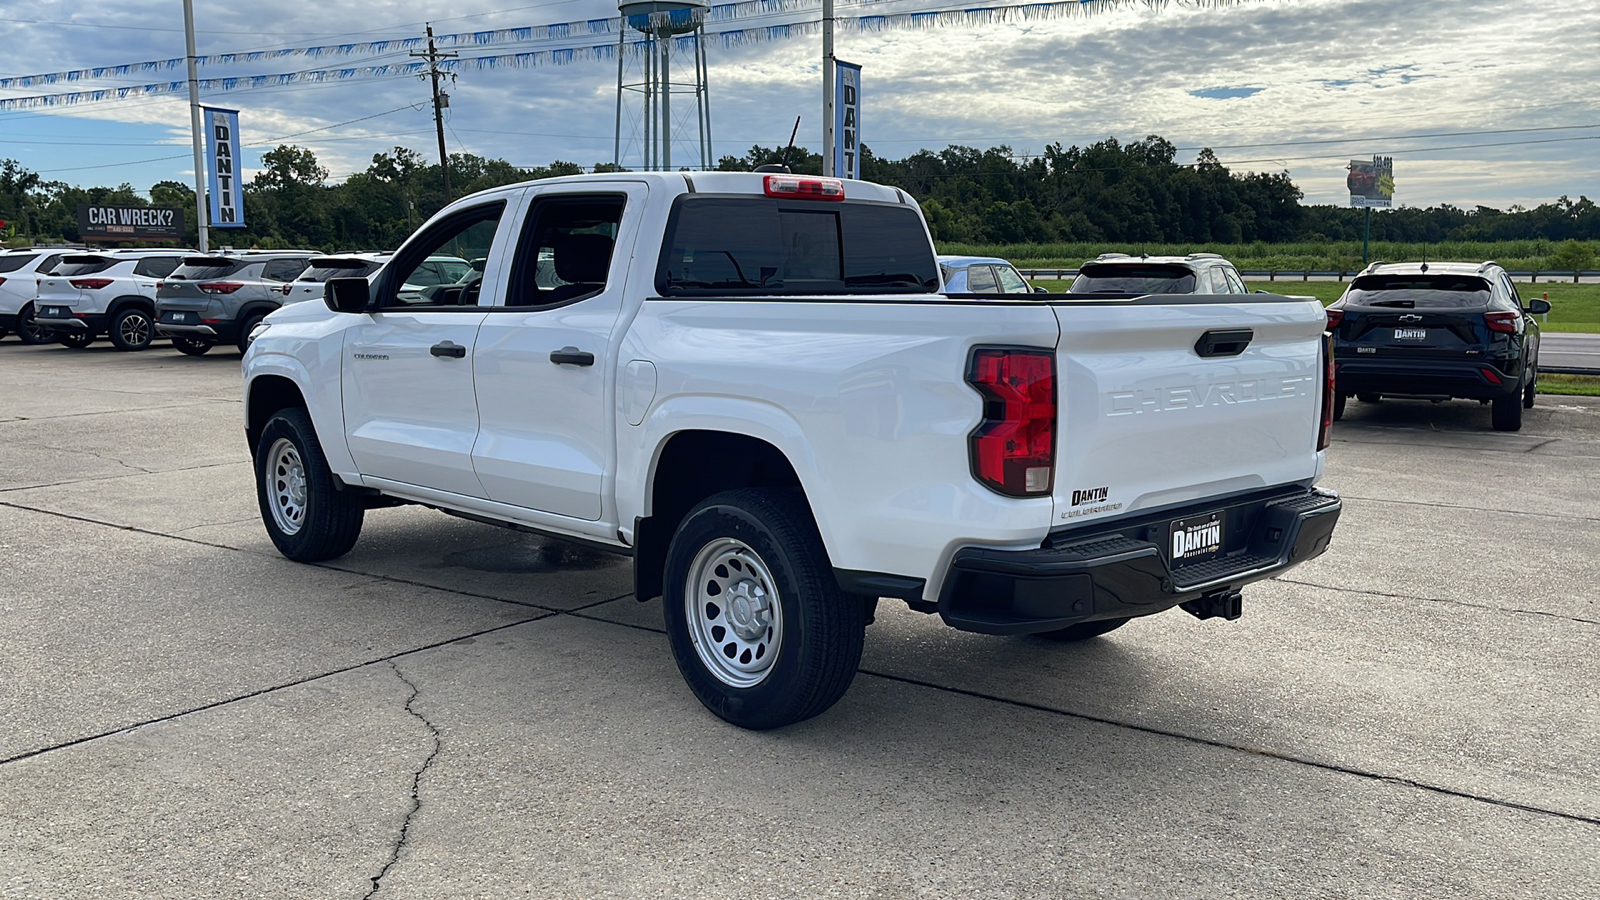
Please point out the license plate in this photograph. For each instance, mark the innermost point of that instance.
(56, 312)
(177, 318)
(1195, 539)
(1411, 334)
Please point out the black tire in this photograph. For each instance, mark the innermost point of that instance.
(318, 521)
(1529, 392)
(1083, 630)
(77, 340)
(1369, 398)
(30, 332)
(192, 346)
(759, 546)
(1339, 401)
(1506, 412)
(132, 329)
(247, 326)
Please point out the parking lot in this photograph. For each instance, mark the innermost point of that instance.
(455, 710)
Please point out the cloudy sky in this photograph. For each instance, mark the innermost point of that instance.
(1478, 101)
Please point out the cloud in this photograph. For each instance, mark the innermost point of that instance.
(1363, 76)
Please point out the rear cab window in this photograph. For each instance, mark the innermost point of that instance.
(1151, 278)
(1441, 291)
(755, 245)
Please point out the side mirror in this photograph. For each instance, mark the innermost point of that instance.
(347, 295)
(1539, 307)
(1039, 290)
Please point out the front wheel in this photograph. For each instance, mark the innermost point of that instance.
(759, 627)
(77, 340)
(191, 346)
(1339, 400)
(132, 329)
(1369, 398)
(1532, 389)
(307, 517)
(1506, 412)
(245, 327)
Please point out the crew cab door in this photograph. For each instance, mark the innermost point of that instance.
(546, 359)
(409, 407)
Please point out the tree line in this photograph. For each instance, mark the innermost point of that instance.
(1107, 191)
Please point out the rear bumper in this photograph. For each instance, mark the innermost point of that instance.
(222, 331)
(1082, 575)
(1468, 379)
(94, 324)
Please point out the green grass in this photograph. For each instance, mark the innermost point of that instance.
(1574, 307)
(1570, 385)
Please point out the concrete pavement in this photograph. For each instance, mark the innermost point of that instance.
(455, 710)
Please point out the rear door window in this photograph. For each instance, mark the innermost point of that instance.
(206, 268)
(156, 266)
(1419, 291)
(323, 269)
(283, 269)
(980, 280)
(1147, 278)
(1235, 283)
(760, 245)
(1011, 282)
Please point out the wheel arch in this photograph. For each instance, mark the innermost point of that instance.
(127, 300)
(268, 395)
(690, 466)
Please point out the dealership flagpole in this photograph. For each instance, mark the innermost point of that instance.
(194, 130)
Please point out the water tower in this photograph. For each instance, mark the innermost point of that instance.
(646, 88)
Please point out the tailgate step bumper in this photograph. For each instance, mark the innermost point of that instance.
(1128, 571)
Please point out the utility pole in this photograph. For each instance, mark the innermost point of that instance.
(433, 56)
(827, 88)
(194, 131)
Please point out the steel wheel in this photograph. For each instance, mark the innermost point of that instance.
(734, 612)
(286, 486)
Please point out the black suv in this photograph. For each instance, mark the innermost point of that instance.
(1437, 331)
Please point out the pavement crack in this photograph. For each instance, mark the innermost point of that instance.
(416, 781)
(106, 457)
(1476, 509)
(1445, 600)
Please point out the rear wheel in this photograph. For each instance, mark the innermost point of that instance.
(307, 517)
(758, 624)
(191, 346)
(1369, 398)
(132, 329)
(1532, 388)
(77, 340)
(245, 327)
(28, 330)
(1339, 401)
(1506, 412)
(1083, 630)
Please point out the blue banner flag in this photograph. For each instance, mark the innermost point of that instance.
(847, 120)
(223, 167)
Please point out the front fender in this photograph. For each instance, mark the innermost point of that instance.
(325, 405)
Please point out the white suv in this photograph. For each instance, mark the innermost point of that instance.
(20, 271)
(107, 292)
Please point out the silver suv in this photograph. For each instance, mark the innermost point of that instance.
(1119, 273)
(219, 298)
(111, 292)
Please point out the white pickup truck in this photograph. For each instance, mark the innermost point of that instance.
(752, 384)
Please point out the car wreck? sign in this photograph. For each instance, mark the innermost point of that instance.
(130, 223)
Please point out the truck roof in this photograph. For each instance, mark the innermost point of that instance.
(715, 183)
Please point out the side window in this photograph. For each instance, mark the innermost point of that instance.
(156, 266)
(416, 282)
(1235, 283)
(283, 269)
(564, 254)
(1511, 291)
(1010, 281)
(49, 264)
(980, 280)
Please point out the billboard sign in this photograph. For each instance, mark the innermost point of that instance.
(1371, 182)
(847, 120)
(129, 223)
(222, 167)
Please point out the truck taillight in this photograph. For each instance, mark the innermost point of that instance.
(1503, 322)
(796, 187)
(2, 279)
(90, 284)
(220, 287)
(1325, 433)
(1013, 449)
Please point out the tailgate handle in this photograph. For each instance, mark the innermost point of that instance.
(1223, 343)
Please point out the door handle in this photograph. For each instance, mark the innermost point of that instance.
(448, 349)
(571, 356)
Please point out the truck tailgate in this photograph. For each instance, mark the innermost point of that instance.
(1151, 416)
